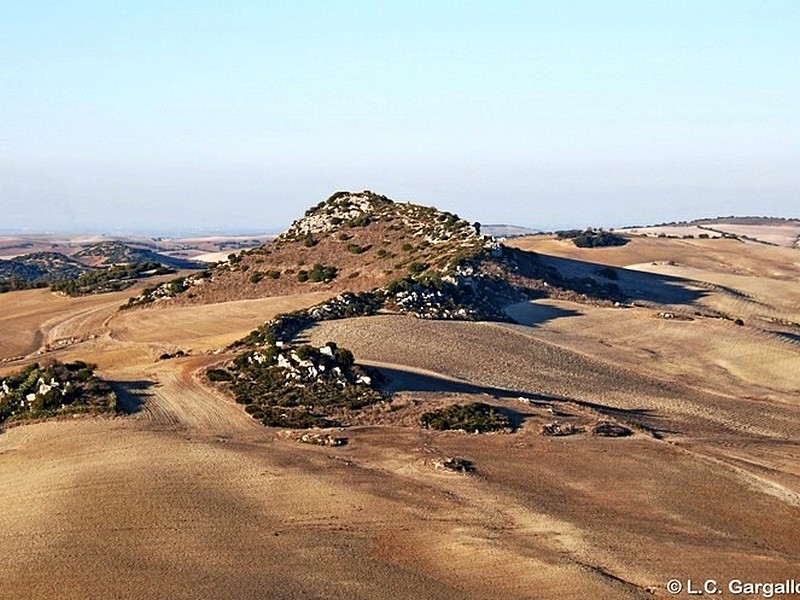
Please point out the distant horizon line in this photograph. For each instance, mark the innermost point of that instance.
(235, 232)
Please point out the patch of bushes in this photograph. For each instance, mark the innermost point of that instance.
(218, 375)
(478, 417)
(296, 386)
(592, 238)
(290, 418)
(168, 289)
(322, 273)
(111, 279)
(39, 391)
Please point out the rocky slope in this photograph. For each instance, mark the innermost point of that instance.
(417, 259)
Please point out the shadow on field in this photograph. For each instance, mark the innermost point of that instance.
(534, 313)
(635, 285)
(132, 394)
(399, 380)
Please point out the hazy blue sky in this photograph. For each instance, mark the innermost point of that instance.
(161, 115)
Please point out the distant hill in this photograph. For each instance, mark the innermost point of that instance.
(746, 221)
(103, 267)
(38, 269)
(506, 231)
(115, 253)
(415, 258)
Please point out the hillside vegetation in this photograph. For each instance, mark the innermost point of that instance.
(294, 385)
(38, 269)
(415, 259)
(115, 253)
(39, 391)
(103, 267)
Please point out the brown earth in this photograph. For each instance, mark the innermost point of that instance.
(187, 497)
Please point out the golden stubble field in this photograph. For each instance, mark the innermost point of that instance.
(188, 497)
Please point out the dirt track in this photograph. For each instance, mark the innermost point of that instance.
(189, 498)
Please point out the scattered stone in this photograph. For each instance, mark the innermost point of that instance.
(609, 429)
(674, 316)
(168, 355)
(455, 464)
(323, 439)
(556, 429)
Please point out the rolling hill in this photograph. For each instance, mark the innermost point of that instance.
(114, 253)
(422, 260)
(38, 269)
(101, 267)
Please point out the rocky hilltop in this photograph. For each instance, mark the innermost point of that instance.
(400, 256)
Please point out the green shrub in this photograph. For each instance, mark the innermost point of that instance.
(291, 418)
(218, 375)
(415, 268)
(477, 416)
(399, 285)
(356, 249)
(322, 273)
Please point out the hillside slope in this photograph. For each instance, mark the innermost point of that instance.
(112, 253)
(102, 267)
(38, 269)
(361, 242)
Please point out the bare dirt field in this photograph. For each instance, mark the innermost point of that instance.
(188, 497)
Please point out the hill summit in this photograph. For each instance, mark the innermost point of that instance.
(412, 258)
(351, 241)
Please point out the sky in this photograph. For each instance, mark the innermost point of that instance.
(180, 116)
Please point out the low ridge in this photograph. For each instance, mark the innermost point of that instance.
(116, 253)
